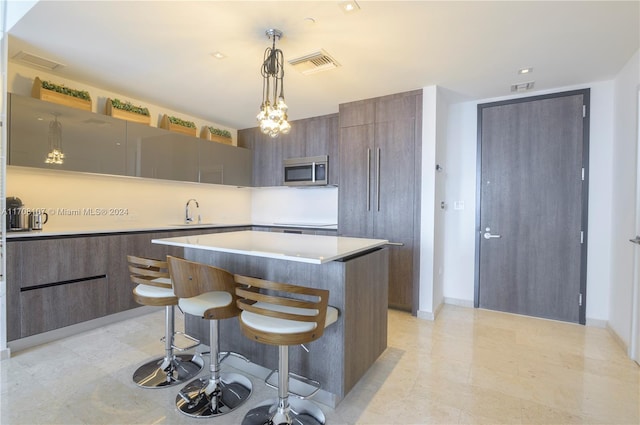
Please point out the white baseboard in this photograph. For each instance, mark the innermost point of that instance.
(5, 354)
(618, 339)
(429, 315)
(458, 302)
(597, 323)
(426, 315)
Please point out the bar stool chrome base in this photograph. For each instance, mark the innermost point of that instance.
(204, 398)
(160, 373)
(298, 412)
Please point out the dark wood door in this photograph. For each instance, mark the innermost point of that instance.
(355, 197)
(393, 204)
(532, 210)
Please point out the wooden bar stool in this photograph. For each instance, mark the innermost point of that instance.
(153, 288)
(283, 314)
(208, 292)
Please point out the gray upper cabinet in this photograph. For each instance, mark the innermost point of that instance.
(160, 154)
(308, 137)
(223, 164)
(90, 142)
(98, 143)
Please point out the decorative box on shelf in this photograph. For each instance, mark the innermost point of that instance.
(216, 135)
(178, 125)
(61, 95)
(125, 111)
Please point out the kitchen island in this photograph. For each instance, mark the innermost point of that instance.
(354, 270)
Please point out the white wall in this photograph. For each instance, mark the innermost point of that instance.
(146, 203)
(16, 9)
(625, 113)
(10, 13)
(426, 304)
(459, 225)
(288, 205)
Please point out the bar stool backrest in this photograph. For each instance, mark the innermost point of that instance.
(258, 295)
(191, 279)
(149, 271)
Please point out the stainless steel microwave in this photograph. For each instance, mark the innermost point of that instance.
(309, 171)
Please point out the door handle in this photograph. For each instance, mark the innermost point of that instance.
(489, 235)
(636, 240)
(378, 179)
(368, 179)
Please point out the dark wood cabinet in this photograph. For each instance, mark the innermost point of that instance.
(54, 282)
(267, 157)
(308, 137)
(380, 182)
(54, 307)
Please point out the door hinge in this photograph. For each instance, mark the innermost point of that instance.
(581, 236)
(584, 111)
(582, 173)
(580, 300)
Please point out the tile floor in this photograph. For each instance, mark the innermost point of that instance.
(469, 366)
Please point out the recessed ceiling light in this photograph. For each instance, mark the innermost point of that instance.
(218, 55)
(525, 70)
(349, 6)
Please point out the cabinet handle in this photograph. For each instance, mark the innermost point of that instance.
(378, 179)
(395, 243)
(368, 179)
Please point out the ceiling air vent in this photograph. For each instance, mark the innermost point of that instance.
(314, 62)
(33, 60)
(520, 87)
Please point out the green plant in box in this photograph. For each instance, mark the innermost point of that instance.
(127, 106)
(218, 132)
(179, 121)
(80, 94)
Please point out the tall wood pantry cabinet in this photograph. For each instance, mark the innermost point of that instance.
(379, 191)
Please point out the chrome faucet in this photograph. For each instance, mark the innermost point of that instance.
(188, 218)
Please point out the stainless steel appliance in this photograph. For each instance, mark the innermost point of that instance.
(309, 171)
(37, 219)
(17, 219)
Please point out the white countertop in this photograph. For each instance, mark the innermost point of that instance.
(313, 249)
(57, 231)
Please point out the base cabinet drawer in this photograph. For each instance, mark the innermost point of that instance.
(47, 308)
(57, 282)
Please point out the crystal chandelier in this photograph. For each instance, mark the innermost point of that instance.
(272, 117)
(55, 155)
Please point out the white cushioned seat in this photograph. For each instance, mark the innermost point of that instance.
(153, 291)
(199, 304)
(285, 326)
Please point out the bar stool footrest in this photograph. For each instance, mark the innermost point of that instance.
(189, 341)
(293, 379)
(223, 355)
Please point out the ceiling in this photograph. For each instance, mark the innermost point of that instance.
(160, 51)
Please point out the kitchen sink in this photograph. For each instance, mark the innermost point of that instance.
(192, 224)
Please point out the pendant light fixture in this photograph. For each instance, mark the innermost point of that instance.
(272, 117)
(55, 155)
